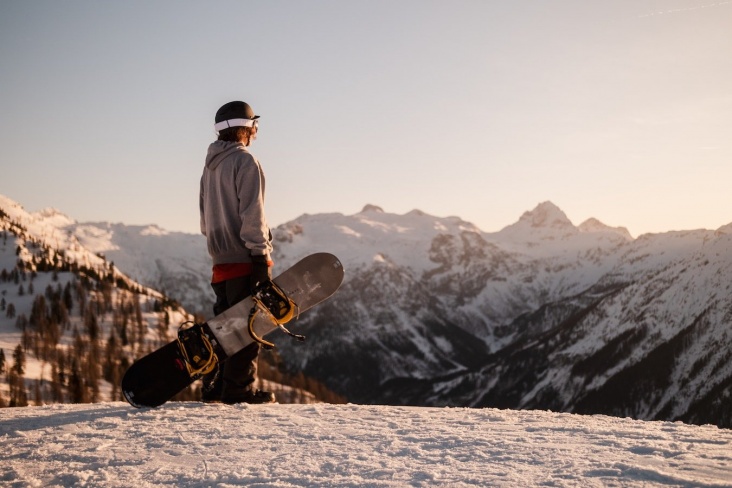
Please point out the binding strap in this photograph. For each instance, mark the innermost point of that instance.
(271, 300)
(196, 348)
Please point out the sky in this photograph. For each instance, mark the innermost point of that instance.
(619, 110)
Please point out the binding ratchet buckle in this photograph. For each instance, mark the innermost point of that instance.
(272, 301)
(196, 348)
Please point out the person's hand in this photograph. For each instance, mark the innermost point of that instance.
(260, 270)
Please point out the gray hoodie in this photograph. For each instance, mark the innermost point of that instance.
(232, 205)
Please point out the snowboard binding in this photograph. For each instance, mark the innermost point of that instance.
(272, 301)
(196, 349)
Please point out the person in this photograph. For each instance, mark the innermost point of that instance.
(239, 241)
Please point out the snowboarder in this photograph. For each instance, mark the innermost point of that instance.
(239, 241)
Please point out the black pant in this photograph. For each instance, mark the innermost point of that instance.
(238, 373)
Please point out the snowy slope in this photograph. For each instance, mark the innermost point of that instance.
(48, 227)
(76, 315)
(651, 339)
(175, 263)
(190, 444)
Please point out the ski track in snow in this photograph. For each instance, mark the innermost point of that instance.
(191, 444)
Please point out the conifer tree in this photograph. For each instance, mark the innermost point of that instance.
(77, 392)
(16, 381)
(68, 298)
(37, 394)
(19, 360)
(113, 369)
(18, 393)
(61, 361)
(92, 326)
(92, 367)
(81, 298)
(57, 395)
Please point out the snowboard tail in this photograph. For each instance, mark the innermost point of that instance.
(159, 376)
(154, 379)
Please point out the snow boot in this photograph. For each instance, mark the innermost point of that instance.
(250, 396)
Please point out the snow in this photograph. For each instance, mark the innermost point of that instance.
(191, 444)
(172, 261)
(594, 225)
(355, 239)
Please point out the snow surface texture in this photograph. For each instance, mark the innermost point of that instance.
(191, 444)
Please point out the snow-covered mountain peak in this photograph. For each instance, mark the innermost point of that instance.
(725, 229)
(8, 204)
(368, 208)
(50, 213)
(53, 217)
(546, 214)
(369, 236)
(594, 225)
(546, 222)
(46, 220)
(153, 230)
(545, 218)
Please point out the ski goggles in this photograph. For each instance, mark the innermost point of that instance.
(225, 124)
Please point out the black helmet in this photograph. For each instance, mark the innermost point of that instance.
(235, 114)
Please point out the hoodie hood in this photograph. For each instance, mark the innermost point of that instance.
(218, 151)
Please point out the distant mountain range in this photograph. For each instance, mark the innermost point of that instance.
(542, 314)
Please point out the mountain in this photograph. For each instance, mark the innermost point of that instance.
(173, 262)
(70, 322)
(176, 263)
(541, 314)
(648, 340)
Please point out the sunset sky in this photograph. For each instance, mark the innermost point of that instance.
(619, 110)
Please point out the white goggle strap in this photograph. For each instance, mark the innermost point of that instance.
(225, 124)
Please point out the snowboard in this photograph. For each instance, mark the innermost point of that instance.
(157, 377)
